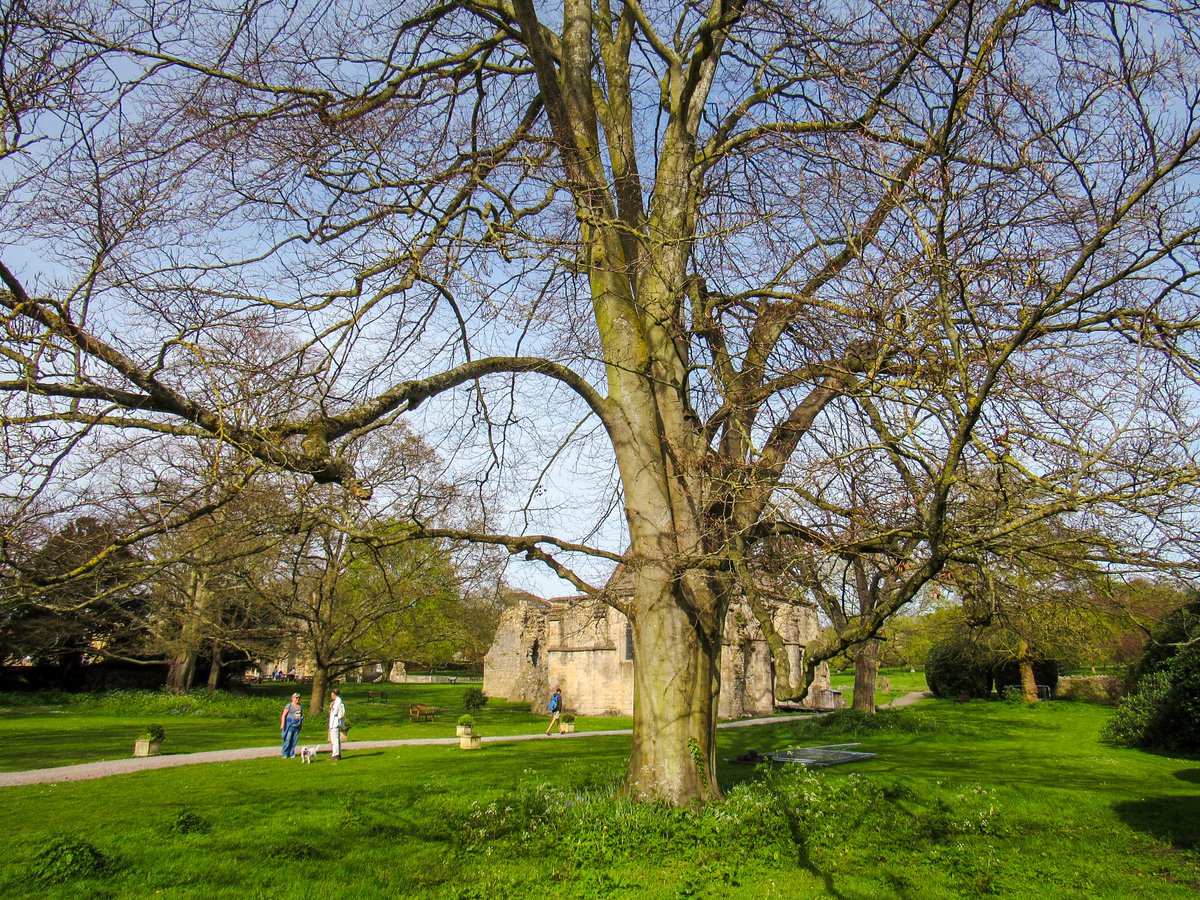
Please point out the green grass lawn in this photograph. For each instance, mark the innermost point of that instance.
(38, 735)
(985, 798)
(901, 682)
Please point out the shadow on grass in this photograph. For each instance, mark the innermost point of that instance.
(1192, 775)
(804, 858)
(1172, 820)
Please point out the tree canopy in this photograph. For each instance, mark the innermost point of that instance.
(668, 262)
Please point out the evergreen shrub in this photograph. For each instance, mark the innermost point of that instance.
(1131, 725)
(1176, 722)
(956, 668)
(1163, 710)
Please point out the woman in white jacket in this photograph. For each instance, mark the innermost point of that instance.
(337, 722)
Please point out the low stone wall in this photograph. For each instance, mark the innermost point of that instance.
(1090, 688)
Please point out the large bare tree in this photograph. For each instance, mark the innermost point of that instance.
(731, 244)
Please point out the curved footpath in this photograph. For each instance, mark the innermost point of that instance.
(88, 771)
(908, 699)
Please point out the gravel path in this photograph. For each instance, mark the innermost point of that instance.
(88, 771)
(908, 699)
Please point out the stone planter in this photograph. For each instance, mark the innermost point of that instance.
(146, 747)
(566, 727)
(461, 730)
(470, 742)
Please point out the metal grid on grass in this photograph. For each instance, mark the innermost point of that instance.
(826, 755)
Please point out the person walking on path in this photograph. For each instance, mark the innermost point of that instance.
(337, 722)
(555, 710)
(289, 726)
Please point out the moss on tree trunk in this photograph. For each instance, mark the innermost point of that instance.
(866, 675)
(676, 686)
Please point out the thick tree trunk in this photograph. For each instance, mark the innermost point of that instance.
(676, 688)
(181, 674)
(1028, 681)
(866, 674)
(214, 673)
(316, 700)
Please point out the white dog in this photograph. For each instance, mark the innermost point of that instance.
(307, 754)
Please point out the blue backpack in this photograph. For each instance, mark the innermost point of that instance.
(554, 703)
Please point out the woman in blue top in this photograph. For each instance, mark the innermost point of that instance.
(555, 710)
(289, 726)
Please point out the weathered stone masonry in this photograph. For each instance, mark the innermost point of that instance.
(586, 649)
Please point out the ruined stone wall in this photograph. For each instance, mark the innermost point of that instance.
(589, 659)
(746, 669)
(584, 649)
(516, 665)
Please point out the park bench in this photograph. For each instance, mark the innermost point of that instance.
(419, 712)
(381, 696)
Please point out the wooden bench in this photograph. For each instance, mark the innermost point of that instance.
(381, 696)
(419, 712)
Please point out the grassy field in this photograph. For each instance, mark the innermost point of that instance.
(900, 681)
(82, 728)
(985, 798)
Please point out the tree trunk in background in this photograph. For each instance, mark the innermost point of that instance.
(1028, 681)
(866, 674)
(214, 673)
(181, 674)
(316, 700)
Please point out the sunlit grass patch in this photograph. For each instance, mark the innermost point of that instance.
(962, 800)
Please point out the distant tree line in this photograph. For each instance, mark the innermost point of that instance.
(230, 572)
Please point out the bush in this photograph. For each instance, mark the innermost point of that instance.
(466, 721)
(1164, 709)
(1176, 722)
(154, 733)
(65, 859)
(1131, 725)
(1012, 693)
(474, 699)
(958, 667)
